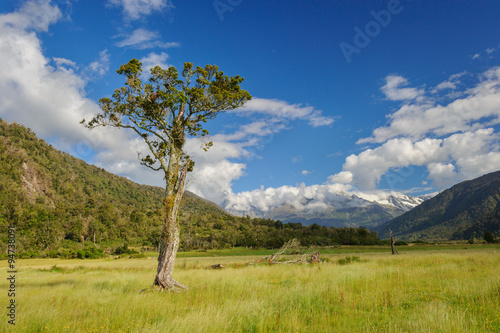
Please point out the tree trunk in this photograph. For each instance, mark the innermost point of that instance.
(167, 251)
(170, 236)
(393, 249)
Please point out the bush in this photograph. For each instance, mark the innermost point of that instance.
(348, 260)
(124, 250)
(28, 255)
(488, 237)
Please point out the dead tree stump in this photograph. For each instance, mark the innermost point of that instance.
(393, 249)
(314, 257)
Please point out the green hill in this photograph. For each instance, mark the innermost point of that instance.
(59, 202)
(465, 211)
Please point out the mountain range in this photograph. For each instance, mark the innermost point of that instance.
(340, 209)
(464, 211)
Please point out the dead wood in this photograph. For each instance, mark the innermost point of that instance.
(393, 249)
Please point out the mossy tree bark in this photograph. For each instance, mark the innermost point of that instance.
(170, 235)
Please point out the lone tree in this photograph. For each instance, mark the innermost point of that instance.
(163, 113)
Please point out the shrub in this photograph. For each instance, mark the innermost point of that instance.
(124, 250)
(488, 237)
(348, 260)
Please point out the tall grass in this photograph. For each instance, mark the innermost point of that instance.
(426, 291)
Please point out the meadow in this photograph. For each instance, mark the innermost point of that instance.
(424, 289)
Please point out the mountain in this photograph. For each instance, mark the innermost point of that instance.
(59, 202)
(340, 209)
(466, 210)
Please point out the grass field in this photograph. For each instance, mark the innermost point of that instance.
(424, 289)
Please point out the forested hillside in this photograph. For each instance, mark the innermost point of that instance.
(59, 202)
(466, 210)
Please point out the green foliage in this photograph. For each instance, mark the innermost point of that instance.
(348, 260)
(124, 250)
(488, 237)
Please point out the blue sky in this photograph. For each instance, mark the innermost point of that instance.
(362, 97)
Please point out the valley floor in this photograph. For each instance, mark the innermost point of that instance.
(454, 289)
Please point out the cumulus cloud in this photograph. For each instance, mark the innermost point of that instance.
(438, 155)
(144, 39)
(33, 15)
(462, 114)
(135, 9)
(454, 141)
(48, 100)
(306, 199)
(155, 59)
(393, 89)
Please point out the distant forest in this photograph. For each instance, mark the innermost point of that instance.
(61, 205)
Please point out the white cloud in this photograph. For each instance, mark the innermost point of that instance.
(284, 110)
(61, 62)
(305, 172)
(368, 167)
(452, 83)
(393, 89)
(343, 177)
(99, 67)
(304, 199)
(458, 150)
(48, 100)
(36, 15)
(144, 39)
(443, 174)
(135, 9)
(463, 114)
(476, 56)
(154, 59)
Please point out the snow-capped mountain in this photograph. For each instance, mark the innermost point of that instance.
(326, 208)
